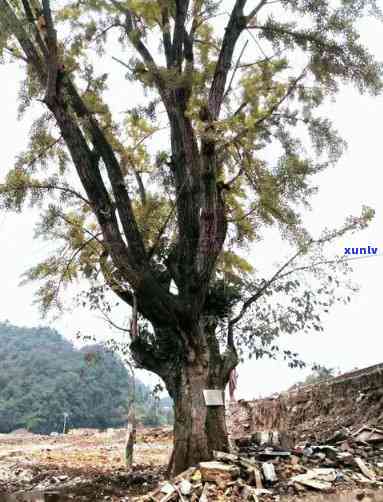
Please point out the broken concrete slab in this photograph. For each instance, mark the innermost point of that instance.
(218, 472)
(185, 487)
(330, 451)
(225, 457)
(364, 469)
(262, 491)
(369, 435)
(317, 484)
(167, 488)
(319, 479)
(269, 472)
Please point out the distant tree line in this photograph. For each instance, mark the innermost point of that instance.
(42, 376)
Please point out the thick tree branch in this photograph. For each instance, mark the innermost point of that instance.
(13, 26)
(186, 169)
(213, 228)
(52, 60)
(135, 38)
(182, 7)
(166, 37)
(185, 154)
(81, 154)
(137, 251)
(235, 26)
(164, 226)
(235, 70)
(96, 192)
(31, 18)
(141, 186)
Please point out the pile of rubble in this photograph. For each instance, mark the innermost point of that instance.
(314, 412)
(263, 467)
(37, 483)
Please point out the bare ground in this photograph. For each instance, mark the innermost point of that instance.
(88, 466)
(85, 466)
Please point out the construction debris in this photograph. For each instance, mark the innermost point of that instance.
(369, 435)
(218, 472)
(269, 473)
(261, 469)
(320, 479)
(364, 469)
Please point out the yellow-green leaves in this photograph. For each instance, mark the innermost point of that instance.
(148, 11)
(151, 217)
(15, 189)
(226, 115)
(233, 267)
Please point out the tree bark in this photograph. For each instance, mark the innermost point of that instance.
(187, 372)
(130, 437)
(198, 429)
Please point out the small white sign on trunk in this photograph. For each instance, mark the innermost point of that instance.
(213, 397)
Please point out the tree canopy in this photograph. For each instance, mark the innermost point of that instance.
(257, 116)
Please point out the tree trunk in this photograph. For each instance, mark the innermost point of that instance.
(198, 429)
(130, 437)
(187, 371)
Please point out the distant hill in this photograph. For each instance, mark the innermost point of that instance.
(42, 376)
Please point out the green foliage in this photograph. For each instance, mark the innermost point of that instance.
(42, 376)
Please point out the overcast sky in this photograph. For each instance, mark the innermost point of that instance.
(353, 333)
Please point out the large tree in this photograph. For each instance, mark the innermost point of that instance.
(159, 197)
